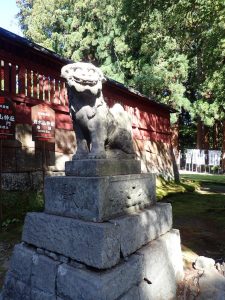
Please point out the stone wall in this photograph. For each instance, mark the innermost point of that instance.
(24, 161)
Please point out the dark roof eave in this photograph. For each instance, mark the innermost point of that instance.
(25, 42)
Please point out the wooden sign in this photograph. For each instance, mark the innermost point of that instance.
(7, 119)
(43, 123)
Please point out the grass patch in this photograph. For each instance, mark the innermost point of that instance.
(200, 215)
(210, 207)
(167, 188)
(204, 178)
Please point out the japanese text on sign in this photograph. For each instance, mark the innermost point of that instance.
(7, 119)
(43, 122)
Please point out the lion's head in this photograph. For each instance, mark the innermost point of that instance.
(83, 77)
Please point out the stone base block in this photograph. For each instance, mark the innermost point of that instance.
(140, 228)
(151, 273)
(47, 279)
(102, 167)
(162, 269)
(98, 198)
(162, 261)
(95, 244)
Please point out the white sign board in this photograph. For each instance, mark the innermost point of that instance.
(214, 157)
(188, 156)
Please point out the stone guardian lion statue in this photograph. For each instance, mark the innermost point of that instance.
(101, 132)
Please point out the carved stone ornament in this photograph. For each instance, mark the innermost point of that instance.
(101, 132)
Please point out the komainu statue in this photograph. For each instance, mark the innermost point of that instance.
(100, 131)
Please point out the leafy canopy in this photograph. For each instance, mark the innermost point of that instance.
(173, 51)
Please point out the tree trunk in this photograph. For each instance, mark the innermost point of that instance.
(223, 148)
(200, 134)
(216, 136)
(206, 137)
(174, 149)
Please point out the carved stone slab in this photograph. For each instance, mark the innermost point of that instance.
(95, 244)
(98, 198)
(151, 273)
(140, 228)
(102, 167)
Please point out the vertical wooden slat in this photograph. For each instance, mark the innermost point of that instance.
(41, 87)
(2, 75)
(21, 81)
(46, 89)
(6, 76)
(35, 85)
(13, 79)
(29, 83)
(56, 96)
(62, 93)
(66, 96)
(52, 89)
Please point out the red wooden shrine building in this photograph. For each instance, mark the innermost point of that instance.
(30, 75)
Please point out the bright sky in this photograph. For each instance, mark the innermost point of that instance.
(8, 10)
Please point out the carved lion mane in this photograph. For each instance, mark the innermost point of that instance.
(100, 131)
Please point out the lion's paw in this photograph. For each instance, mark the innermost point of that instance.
(100, 155)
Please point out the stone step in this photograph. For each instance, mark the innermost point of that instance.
(151, 273)
(95, 244)
(98, 198)
(102, 167)
(98, 245)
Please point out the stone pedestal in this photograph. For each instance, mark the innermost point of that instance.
(102, 236)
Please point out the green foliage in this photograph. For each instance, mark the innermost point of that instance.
(15, 205)
(172, 51)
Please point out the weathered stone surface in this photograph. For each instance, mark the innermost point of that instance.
(102, 167)
(15, 289)
(16, 181)
(94, 122)
(40, 295)
(132, 294)
(162, 268)
(204, 263)
(95, 244)
(98, 198)
(149, 274)
(140, 228)
(211, 285)
(173, 248)
(21, 263)
(84, 284)
(44, 272)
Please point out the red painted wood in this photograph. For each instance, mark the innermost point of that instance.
(150, 120)
(29, 83)
(52, 90)
(46, 88)
(41, 86)
(57, 92)
(35, 86)
(13, 80)
(62, 93)
(2, 76)
(21, 81)
(6, 76)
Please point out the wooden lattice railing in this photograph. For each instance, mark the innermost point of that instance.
(27, 82)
